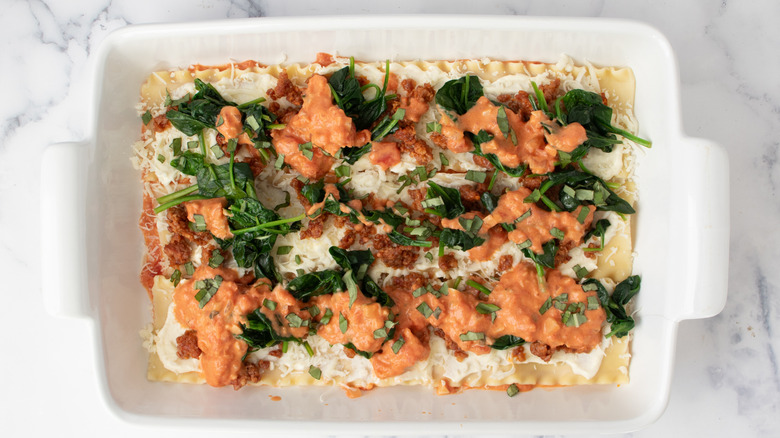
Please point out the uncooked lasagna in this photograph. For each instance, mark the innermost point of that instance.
(452, 224)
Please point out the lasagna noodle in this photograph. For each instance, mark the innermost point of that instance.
(613, 264)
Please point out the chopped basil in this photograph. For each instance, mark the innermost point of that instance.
(349, 281)
(279, 163)
(433, 202)
(580, 271)
(161, 158)
(512, 390)
(524, 245)
(437, 312)
(188, 268)
(306, 150)
(314, 310)
(218, 153)
(524, 216)
(380, 333)
(207, 289)
(472, 336)
(269, 304)
(232, 144)
(176, 277)
(503, 122)
(443, 159)
(587, 287)
(584, 195)
(576, 320)
(343, 324)
(298, 260)
(295, 320)
(326, 317)
(420, 291)
(433, 127)
(146, 117)
(342, 170)
(546, 306)
(397, 345)
(200, 222)
(429, 256)
(582, 215)
(315, 372)
(176, 146)
(593, 302)
(400, 208)
(425, 309)
(252, 122)
(282, 250)
(476, 176)
(557, 233)
(216, 259)
(487, 308)
(193, 144)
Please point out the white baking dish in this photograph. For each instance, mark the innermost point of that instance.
(95, 247)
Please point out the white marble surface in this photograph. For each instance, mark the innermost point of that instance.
(726, 380)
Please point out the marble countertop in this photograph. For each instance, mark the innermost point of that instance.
(726, 380)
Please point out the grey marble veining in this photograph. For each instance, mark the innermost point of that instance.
(726, 380)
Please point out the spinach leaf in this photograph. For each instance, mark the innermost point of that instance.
(506, 342)
(459, 95)
(580, 188)
(266, 268)
(547, 257)
(588, 109)
(256, 120)
(626, 289)
(314, 192)
(259, 332)
(200, 112)
(358, 262)
(352, 347)
(458, 239)
(614, 306)
(371, 289)
(443, 201)
(599, 230)
(218, 181)
(348, 95)
(316, 283)
(483, 137)
(403, 240)
(387, 216)
(352, 154)
(346, 89)
(188, 163)
(255, 229)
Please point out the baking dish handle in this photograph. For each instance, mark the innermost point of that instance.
(703, 229)
(63, 234)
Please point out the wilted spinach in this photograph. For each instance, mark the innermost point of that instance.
(200, 112)
(459, 95)
(443, 201)
(358, 262)
(507, 341)
(614, 305)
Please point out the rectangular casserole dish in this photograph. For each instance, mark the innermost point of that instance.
(681, 236)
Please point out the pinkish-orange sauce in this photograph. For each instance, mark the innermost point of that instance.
(213, 213)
